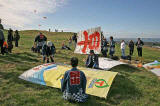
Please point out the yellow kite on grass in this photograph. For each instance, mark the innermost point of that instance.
(98, 81)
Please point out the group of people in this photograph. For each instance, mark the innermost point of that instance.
(105, 45)
(44, 47)
(7, 46)
(131, 44)
(74, 82)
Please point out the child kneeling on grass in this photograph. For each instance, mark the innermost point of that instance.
(74, 84)
(48, 50)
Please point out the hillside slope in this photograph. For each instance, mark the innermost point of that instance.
(132, 86)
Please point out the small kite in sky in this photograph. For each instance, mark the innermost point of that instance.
(44, 17)
(35, 11)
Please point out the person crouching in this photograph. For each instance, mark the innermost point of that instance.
(73, 85)
(48, 50)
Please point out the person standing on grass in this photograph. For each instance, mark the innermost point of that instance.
(112, 47)
(139, 45)
(48, 51)
(131, 47)
(74, 38)
(1, 38)
(70, 42)
(73, 85)
(9, 40)
(16, 38)
(104, 47)
(39, 41)
(123, 46)
(1, 26)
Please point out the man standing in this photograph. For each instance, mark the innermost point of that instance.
(9, 40)
(16, 38)
(74, 84)
(131, 47)
(139, 45)
(104, 47)
(1, 38)
(39, 41)
(112, 47)
(74, 38)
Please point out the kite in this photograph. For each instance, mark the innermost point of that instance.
(154, 67)
(44, 17)
(98, 81)
(35, 11)
(107, 63)
(89, 40)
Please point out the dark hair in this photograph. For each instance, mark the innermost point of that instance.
(91, 51)
(111, 37)
(74, 61)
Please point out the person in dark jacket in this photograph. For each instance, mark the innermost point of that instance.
(74, 38)
(16, 38)
(48, 50)
(112, 47)
(39, 41)
(9, 40)
(131, 47)
(139, 45)
(104, 47)
(2, 39)
(1, 26)
(92, 60)
(74, 83)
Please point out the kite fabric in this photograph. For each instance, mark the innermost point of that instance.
(154, 67)
(89, 40)
(98, 81)
(107, 63)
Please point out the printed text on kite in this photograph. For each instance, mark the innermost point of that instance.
(89, 40)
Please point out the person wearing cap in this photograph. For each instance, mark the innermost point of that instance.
(139, 45)
(2, 38)
(73, 84)
(48, 50)
(112, 46)
(92, 60)
(39, 41)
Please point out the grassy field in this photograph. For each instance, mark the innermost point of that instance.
(132, 87)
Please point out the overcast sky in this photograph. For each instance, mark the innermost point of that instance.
(119, 18)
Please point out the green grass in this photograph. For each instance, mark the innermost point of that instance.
(132, 86)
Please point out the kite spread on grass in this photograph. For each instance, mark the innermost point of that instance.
(154, 67)
(98, 81)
